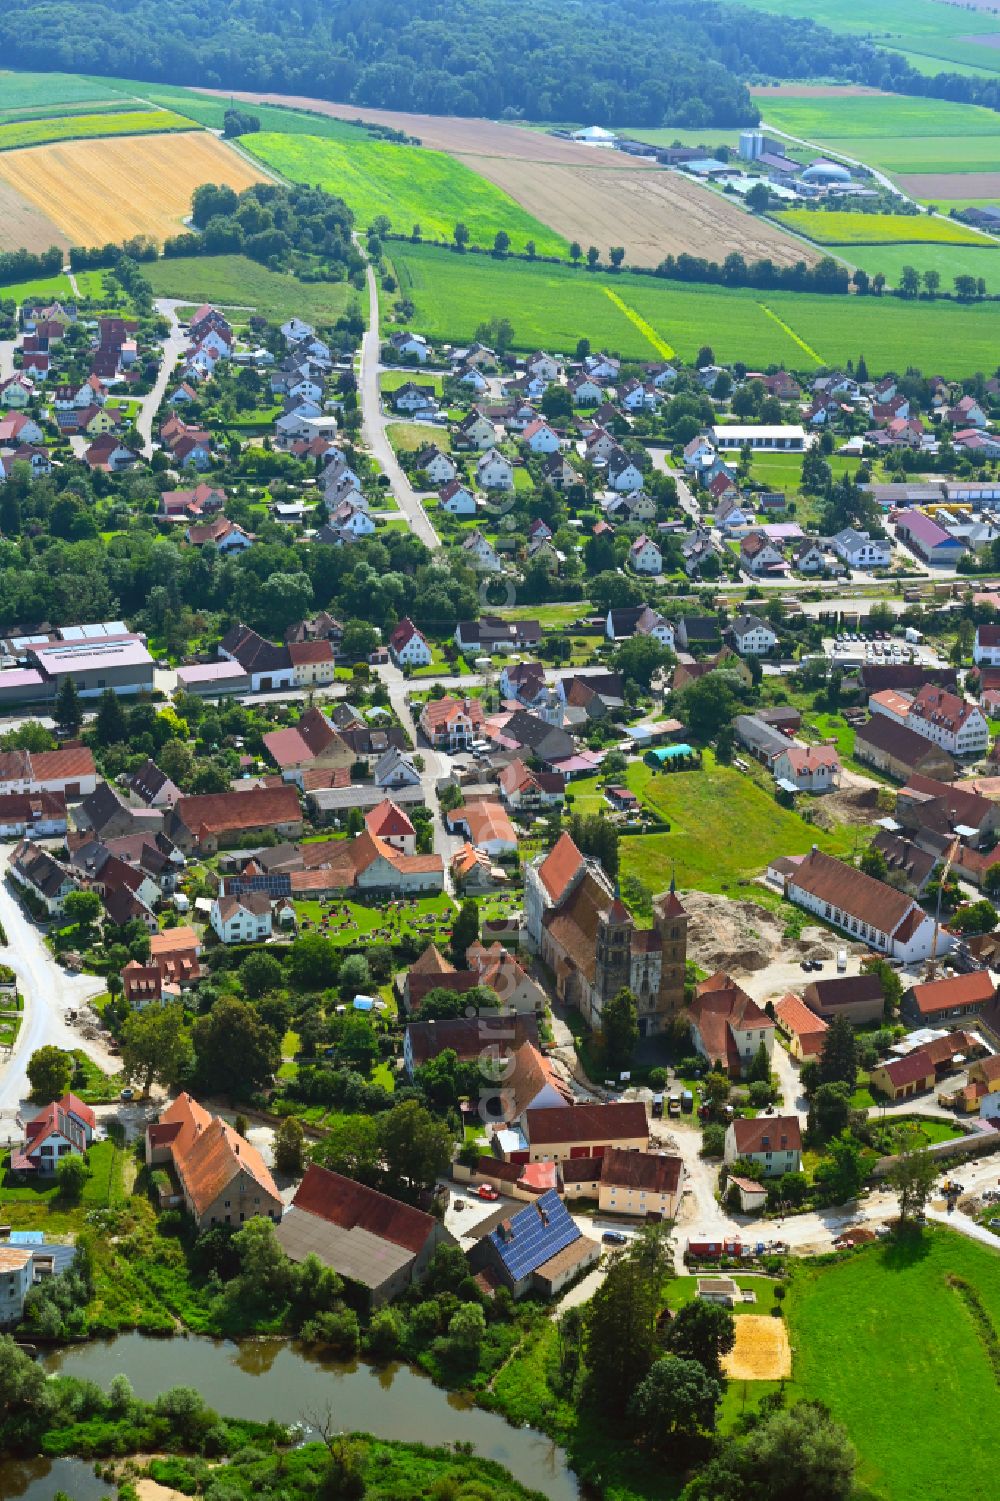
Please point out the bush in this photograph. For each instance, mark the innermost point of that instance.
(713, 1141)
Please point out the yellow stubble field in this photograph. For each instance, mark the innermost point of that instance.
(109, 189)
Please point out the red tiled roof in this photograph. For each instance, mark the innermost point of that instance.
(963, 990)
(775, 1133)
(657, 1172)
(341, 1201)
(622, 1121)
(559, 867)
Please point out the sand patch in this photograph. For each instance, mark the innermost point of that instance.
(761, 1351)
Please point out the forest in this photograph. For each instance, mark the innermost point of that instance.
(642, 61)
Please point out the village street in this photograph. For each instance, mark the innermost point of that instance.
(373, 426)
(173, 346)
(49, 992)
(437, 766)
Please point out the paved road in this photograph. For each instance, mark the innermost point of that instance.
(437, 765)
(7, 347)
(173, 347)
(373, 426)
(48, 991)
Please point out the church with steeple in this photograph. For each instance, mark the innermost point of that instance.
(581, 928)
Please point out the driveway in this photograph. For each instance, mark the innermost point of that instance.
(373, 425)
(437, 766)
(48, 992)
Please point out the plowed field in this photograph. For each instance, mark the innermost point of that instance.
(651, 213)
(102, 190)
(23, 226)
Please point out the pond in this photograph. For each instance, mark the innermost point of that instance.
(271, 1378)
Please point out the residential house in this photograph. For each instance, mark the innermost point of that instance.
(585, 391)
(48, 882)
(379, 1245)
(107, 453)
(808, 556)
(478, 552)
(645, 1185)
(457, 499)
(394, 770)
(32, 815)
(522, 788)
(541, 438)
(910, 867)
(751, 636)
(242, 919)
(760, 557)
(226, 536)
(489, 1038)
(451, 723)
(414, 399)
(494, 471)
(859, 550)
(485, 825)
(557, 1134)
(624, 474)
(409, 346)
(309, 745)
(698, 631)
(645, 557)
(803, 1030)
(269, 667)
(221, 1177)
(867, 909)
(773, 1143)
(388, 822)
(63, 1129)
(313, 662)
(957, 726)
(409, 646)
(474, 431)
(812, 768)
(211, 820)
(490, 635)
(538, 1249)
(727, 1027)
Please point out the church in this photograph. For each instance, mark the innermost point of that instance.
(583, 931)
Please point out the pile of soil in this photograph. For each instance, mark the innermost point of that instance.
(851, 805)
(742, 937)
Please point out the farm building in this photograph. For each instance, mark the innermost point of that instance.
(779, 437)
(538, 1249)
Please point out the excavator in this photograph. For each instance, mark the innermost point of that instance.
(931, 971)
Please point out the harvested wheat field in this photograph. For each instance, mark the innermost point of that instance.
(652, 213)
(23, 226)
(103, 190)
(761, 1351)
(456, 134)
(932, 187)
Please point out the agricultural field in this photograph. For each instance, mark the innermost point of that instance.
(408, 184)
(889, 1344)
(110, 189)
(35, 90)
(846, 116)
(81, 127)
(24, 225)
(944, 34)
(951, 189)
(651, 213)
(553, 305)
(836, 228)
(235, 281)
(947, 261)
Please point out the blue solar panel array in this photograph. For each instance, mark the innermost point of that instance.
(535, 1239)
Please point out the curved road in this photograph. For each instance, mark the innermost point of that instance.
(48, 993)
(373, 425)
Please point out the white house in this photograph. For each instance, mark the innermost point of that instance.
(773, 1143)
(813, 768)
(585, 391)
(494, 472)
(409, 646)
(986, 651)
(752, 636)
(645, 556)
(395, 770)
(541, 438)
(410, 346)
(352, 520)
(480, 553)
(624, 473)
(699, 455)
(603, 366)
(808, 557)
(242, 919)
(475, 431)
(439, 467)
(474, 378)
(958, 726)
(415, 399)
(457, 499)
(859, 550)
(542, 365)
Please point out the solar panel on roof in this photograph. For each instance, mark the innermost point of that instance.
(534, 1240)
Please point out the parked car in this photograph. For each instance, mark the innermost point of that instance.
(487, 1191)
(126, 1095)
(614, 1238)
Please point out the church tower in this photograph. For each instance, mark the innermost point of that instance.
(614, 954)
(671, 924)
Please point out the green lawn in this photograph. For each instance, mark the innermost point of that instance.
(948, 261)
(37, 1207)
(238, 282)
(408, 184)
(891, 1348)
(408, 437)
(27, 90)
(552, 306)
(724, 828)
(391, 380)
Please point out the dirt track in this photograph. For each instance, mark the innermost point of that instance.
(651, 213)
(457, 135)
(23, 226)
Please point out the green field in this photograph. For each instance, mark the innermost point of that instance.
(211, 111)
(239, 282)
(83, 107)
(82, 127)
(554, 305)
(852, 117)
(891, 1348)
(834, 227)
(408, 184)
(26, 90)
(948, 262)
(925, 27)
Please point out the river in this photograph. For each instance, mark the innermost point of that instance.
(274, 1379)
